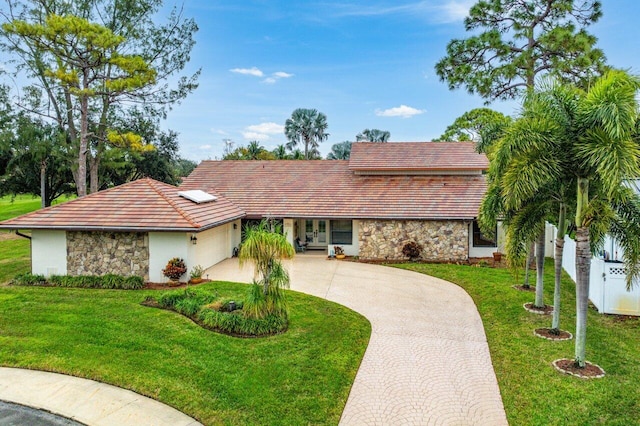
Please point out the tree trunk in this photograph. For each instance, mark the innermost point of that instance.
(43, 184)
(562, 230)
(583, 266)
(527, 265)
(94, 164)
(555, 323)
(81, 183)
(539, 303)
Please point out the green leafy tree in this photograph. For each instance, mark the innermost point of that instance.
(479, 125)
(516, 41)
(373, 135)
(38, 161)
(307, 127)
(253, 151)
(265, 246)
(340, 151)
(585, 138)
(81, 51)
(88, 58)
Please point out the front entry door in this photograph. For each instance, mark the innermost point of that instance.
(315, 231)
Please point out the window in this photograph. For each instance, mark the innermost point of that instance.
(341, 232)
(480, 240)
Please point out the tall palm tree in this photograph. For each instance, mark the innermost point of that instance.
(585, 139)
(308, 127)
(373, 135)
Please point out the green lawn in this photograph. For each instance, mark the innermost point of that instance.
(14, 252)
(534, 393)
(300, 377)
(21, 204)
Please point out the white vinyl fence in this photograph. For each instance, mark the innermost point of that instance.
(607, 287)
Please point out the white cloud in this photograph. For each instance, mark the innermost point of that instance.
(277, 76)
(262, 131)
(218, 131)
(435, 11)
(454, 11)
(248, 71)
(204, 147)
(282, 74)
(403, 111)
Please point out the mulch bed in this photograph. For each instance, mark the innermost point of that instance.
(520, 287)
(568, 366)
(545, 333)
(546, 310)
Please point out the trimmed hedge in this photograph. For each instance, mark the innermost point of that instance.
(214, 314)
(108, 281)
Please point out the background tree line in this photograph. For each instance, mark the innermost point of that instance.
(101, 75)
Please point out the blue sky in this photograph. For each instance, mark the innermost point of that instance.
(365, 64)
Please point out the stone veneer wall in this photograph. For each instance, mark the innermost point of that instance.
(441, 240)
(99, 253)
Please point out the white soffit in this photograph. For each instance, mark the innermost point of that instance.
(197, 196)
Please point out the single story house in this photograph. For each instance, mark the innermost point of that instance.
(386, 195)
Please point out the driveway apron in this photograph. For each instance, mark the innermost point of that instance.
(427, 362)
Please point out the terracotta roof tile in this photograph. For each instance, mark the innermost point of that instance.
(416, 156)
(328, 189)
(141, 205)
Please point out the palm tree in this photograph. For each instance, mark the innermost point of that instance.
(340, 151)
(585, 139)
(254, 149)
(280, 152)
(373, 135)
(307, 126)
(265, 246)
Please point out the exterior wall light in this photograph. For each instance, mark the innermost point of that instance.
(194, 239)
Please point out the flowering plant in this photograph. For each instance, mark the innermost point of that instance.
(175, 268)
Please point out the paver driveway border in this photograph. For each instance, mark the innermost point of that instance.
(428, 361)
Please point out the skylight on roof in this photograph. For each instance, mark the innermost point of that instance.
(197, 196)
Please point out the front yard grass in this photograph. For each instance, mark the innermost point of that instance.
(533, 392)
(300, 377)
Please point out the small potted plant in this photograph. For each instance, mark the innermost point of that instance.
(196, 275)
(497, 256)
(174, 270)
(339, 251)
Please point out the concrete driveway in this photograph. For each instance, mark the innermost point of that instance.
(428, 361)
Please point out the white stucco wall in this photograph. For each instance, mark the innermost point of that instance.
(164, 246)
(48, 252)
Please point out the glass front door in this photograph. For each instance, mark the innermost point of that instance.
(315, 232)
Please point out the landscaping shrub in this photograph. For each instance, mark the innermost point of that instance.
(412, 250)
(109, 281)
(238, 324)
(213, 314)
(28, 279)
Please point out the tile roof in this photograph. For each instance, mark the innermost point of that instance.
(423, 157)
(142, 205)
(328, 189)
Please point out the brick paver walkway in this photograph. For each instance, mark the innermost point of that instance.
(427, 363)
